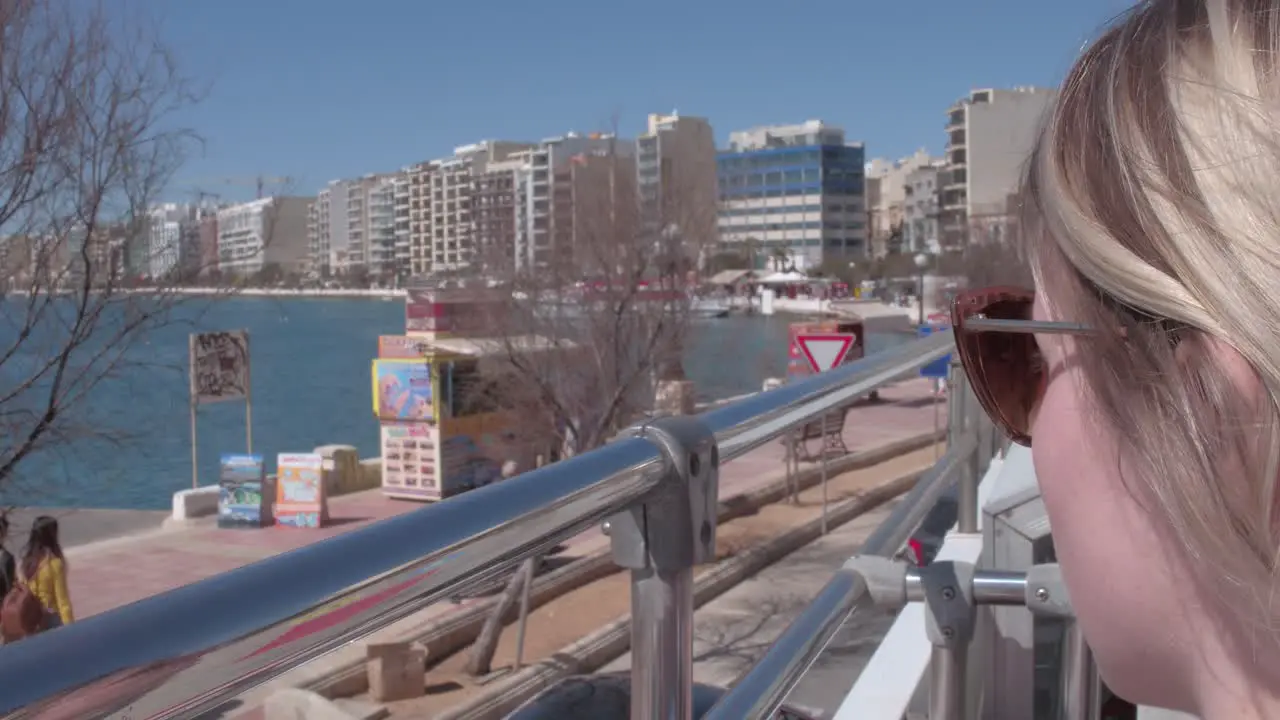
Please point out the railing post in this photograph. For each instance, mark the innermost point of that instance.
(660, 541)
(1080, 688)
(964, 419)
(949, 620)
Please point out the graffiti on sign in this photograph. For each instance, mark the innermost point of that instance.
(219, 366)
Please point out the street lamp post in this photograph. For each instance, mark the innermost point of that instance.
(922, 261)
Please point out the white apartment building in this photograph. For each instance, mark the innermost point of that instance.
(400, 202)
(172, 238)
(920, 210)
(793, 196)
(545, 207)
(886, 198)
(989, 138)
(271, 230)
(353, 225)
(676, 179)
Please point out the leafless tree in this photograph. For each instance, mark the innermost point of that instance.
(601, 315)
(88, 140)
(993, 253)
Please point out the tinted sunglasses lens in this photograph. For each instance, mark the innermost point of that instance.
(1006, 369)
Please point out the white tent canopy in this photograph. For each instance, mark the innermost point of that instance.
(784, 278)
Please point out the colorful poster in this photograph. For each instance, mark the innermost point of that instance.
(409, 459)
(300, 495)
(242, 502)
(402, 390)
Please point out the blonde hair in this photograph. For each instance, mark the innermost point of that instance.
(1155, 190)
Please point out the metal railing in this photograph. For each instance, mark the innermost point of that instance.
(189, 650)
(971, 443)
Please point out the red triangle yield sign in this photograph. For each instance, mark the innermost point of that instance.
(826, 351)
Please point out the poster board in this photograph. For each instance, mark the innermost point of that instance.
(301, 500)
(219, 364)
(402, 390)
(410, 458)
(243, 499)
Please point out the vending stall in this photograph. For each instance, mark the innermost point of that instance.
(442, 434)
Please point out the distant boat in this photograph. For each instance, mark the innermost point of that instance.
(703, 308)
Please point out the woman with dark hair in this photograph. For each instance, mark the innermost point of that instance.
(45, 570)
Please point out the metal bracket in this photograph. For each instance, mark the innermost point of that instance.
(948, 601)
(886, 579)
(675, 527)
(1047, 593)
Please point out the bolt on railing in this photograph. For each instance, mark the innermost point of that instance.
(184, 652)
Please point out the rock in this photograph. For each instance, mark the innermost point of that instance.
(675, 397)
(396, 671)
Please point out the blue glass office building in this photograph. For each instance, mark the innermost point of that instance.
(799, 189)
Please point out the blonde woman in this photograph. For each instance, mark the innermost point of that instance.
(1149, 388)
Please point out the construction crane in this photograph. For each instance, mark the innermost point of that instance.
(258, 182)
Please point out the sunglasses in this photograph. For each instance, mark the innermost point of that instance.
(995, 339)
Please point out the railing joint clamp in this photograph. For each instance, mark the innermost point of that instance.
(1047, 592)
(886, 579)
(675, 526)
(950, 609)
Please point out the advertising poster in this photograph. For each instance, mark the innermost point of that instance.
(242, 503)
(300, 493)
(409, 459)
(402, 390)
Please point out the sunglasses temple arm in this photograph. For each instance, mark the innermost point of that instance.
(985, 324)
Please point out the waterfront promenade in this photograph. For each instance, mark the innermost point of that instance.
(115, 572)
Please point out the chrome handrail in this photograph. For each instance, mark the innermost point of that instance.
(759, 692)
(183, 652)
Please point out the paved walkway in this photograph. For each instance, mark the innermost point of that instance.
(116, 572)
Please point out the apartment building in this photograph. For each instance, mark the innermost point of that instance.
(173, 240)
(352, 226)
(886, 199)
(400, 203)
(452, 185)
(327, 229)
(676, 180)
(920, 208)
(267, 231)
(599, 216)
(796, 193)
(503, 203)
(989, 138)
(495, 211)
(419, 208)
(376, 226)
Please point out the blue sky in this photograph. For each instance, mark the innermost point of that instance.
(321, 89)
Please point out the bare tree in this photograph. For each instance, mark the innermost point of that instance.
(594, 323)
(87, 143)
(993, 252)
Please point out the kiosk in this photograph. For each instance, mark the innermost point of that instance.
(442, 434)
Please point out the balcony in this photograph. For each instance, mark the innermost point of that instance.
(95, 667)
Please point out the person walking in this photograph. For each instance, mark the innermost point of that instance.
(8, 566)
(44, 569)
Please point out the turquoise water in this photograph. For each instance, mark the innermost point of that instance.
(310, 383)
